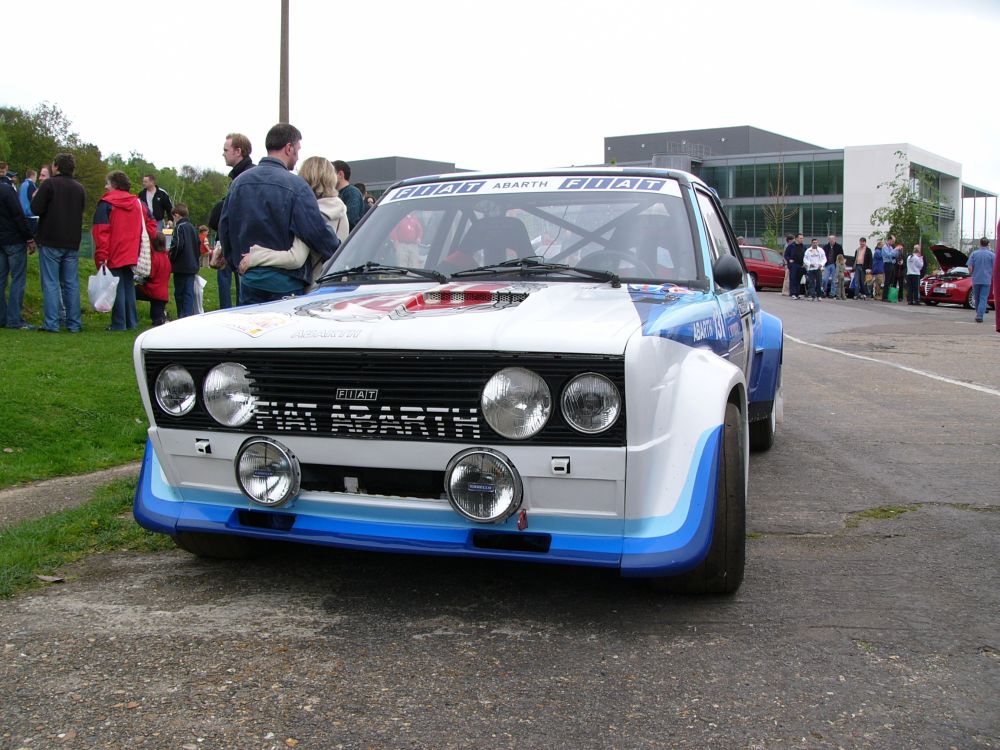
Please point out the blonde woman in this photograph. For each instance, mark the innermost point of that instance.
(318, 172)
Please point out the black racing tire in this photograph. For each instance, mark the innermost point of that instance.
(219, 546)
(721, 572)
(970, 299)
(762, 433)
(930, 302)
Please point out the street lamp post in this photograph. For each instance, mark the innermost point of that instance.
(831, 222)
(283, 71)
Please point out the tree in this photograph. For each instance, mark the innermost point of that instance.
(777, 211)
(912, 211)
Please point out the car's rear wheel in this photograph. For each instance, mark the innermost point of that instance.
(721, 572)
(219, 546)
(970, 300)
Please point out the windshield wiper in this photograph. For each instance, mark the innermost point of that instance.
(371, 268)
(535, 265)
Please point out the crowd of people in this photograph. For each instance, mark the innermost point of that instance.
(273, 231)
(885, 272)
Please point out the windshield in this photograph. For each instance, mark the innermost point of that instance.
(635, 227)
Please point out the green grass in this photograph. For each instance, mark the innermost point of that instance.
(42, 546)
(886, 512)
(70, 401)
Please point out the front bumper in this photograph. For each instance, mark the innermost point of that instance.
(651, 546)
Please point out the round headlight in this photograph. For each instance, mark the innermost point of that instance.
(483, 485)
(227, 394)
(174, 390)
(267, 472)
(591, 403)
(516, 403)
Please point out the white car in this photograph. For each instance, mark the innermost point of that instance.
(564, 367)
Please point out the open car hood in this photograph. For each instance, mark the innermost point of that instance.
(949, 257)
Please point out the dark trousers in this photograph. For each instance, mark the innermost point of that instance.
(123, 314)
(157, 307)
(226, 278)
(252, 296)
(912, 292)
(184, 294)
(794, 274)
(814, 280)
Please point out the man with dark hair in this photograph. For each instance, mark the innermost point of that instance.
(270, 206)
(862, 263)
(351, 196)
(27, 191)
(832, 248)
(981, 269)
(184, 253)
(156, 199)
(795, 256)
(15, 244)
(59, 203)
(236, 153)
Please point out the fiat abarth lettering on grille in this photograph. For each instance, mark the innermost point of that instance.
(561, 367)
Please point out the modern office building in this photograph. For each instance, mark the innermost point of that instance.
(379, 174)
(764, 178)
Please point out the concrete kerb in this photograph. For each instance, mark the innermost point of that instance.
(42, 498)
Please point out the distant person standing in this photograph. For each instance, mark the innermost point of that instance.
(795, 257)
(814, 260)
(351, 196)
(26, 192)
(996, 284)
(878, 270)
(156, 289)
(15, 244)
(889, 266)
(156, 199)
(269, 206)
(832, 248)
(59, 203)
(981, 264)
(786, 284)
(841, 271)
(914, 266)
(184, 253)
(236, 153)
(119, 221)
(862, 263)
(5, 176)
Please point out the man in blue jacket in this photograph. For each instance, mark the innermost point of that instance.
(270, 206)
(981, 268)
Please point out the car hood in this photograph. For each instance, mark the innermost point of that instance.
(949, 257)
(569, 317)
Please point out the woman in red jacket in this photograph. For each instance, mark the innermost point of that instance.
(119, 220)
(155, 289)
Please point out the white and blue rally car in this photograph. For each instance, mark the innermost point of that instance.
(565, 367)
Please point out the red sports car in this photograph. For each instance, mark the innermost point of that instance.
(953, 284)
(765, 266)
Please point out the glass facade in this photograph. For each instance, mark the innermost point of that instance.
(802, 182)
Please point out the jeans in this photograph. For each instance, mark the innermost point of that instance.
(982, 293)
(184, 294)
(860, 289)
(58, 269)
(13, 263)
(226, 277)
(814, 278)
(123, 313)
(252, 296)
(829, 279)
(794, 274)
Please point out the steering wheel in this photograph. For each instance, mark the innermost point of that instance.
(628, 258)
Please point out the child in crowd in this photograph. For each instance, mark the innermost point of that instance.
(155, 289)
(841, 269)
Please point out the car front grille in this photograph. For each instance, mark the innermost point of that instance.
(387, 395)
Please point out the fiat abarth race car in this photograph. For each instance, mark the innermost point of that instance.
(565, 367)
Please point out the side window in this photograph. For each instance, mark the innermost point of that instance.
(718, 239)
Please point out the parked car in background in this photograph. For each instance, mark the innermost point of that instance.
(586, 399)
(953, 285)
(765, 266)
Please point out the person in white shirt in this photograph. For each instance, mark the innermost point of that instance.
(914, 265)
(813, 261)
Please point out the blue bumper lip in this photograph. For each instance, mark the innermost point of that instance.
(638, 547)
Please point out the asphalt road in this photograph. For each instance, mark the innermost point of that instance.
(848, 632)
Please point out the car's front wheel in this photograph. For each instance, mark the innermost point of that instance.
(219, 546)
(970, 300)
(930, 302)
(721, 572)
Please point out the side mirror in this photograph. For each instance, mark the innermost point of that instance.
(728, 273)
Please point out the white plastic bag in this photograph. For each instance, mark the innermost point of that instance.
(101, 290)
(199, 287)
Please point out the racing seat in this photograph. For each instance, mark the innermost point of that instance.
(495, 235)
(651, 238)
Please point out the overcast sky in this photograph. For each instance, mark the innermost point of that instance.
(520, 83)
